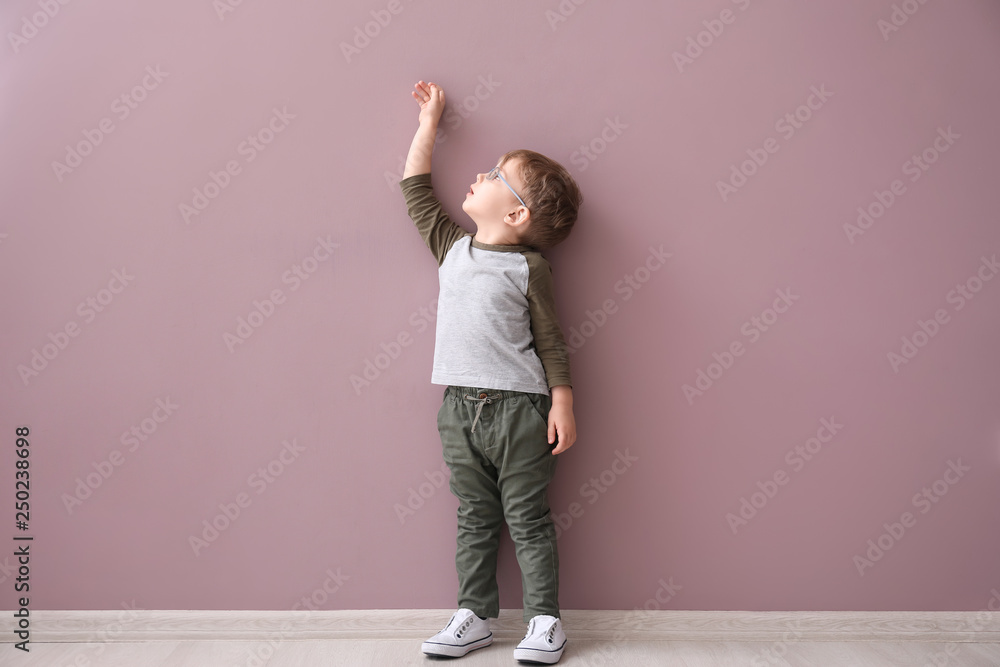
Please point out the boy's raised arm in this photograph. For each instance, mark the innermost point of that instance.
(433, 224)
(430, 97)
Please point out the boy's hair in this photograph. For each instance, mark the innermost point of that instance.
(552, 196)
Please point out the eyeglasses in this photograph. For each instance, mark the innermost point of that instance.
(496, 172)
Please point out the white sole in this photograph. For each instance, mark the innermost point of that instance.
(452, 651)
(538, 655)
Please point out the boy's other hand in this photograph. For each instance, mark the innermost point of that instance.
(563, 424)
(430, 97)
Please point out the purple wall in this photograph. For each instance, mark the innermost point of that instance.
(782, 293)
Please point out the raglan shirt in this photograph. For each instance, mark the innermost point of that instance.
(496, 319)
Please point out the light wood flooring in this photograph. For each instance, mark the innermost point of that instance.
(390, 638)
(395, 652)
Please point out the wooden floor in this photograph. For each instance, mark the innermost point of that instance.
(391, 653)
(391, 638)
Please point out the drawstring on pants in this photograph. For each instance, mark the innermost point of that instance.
(483, 399)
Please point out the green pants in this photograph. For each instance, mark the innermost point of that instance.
(496, 445)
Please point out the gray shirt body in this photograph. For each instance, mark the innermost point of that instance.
(496, 321)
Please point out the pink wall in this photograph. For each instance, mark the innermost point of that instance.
(791, 308)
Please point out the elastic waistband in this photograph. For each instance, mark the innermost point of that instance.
(461, 392)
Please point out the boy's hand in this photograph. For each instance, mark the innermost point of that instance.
(430, 97)
(431, 100)
(563, 424)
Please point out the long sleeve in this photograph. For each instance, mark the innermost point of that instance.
(550, 346)
(435, 227)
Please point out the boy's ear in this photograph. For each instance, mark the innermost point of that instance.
(520, 218)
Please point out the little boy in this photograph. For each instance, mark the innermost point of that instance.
(499, 350)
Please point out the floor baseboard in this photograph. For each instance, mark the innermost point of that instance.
(607, 625)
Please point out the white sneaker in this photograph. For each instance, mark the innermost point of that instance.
(465, 632)
(544, 641)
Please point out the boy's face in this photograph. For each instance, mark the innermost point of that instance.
(492, 205)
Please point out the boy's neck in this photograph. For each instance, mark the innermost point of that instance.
(488, 239)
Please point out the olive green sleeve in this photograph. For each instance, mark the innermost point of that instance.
(435, 227)
(550, 346)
